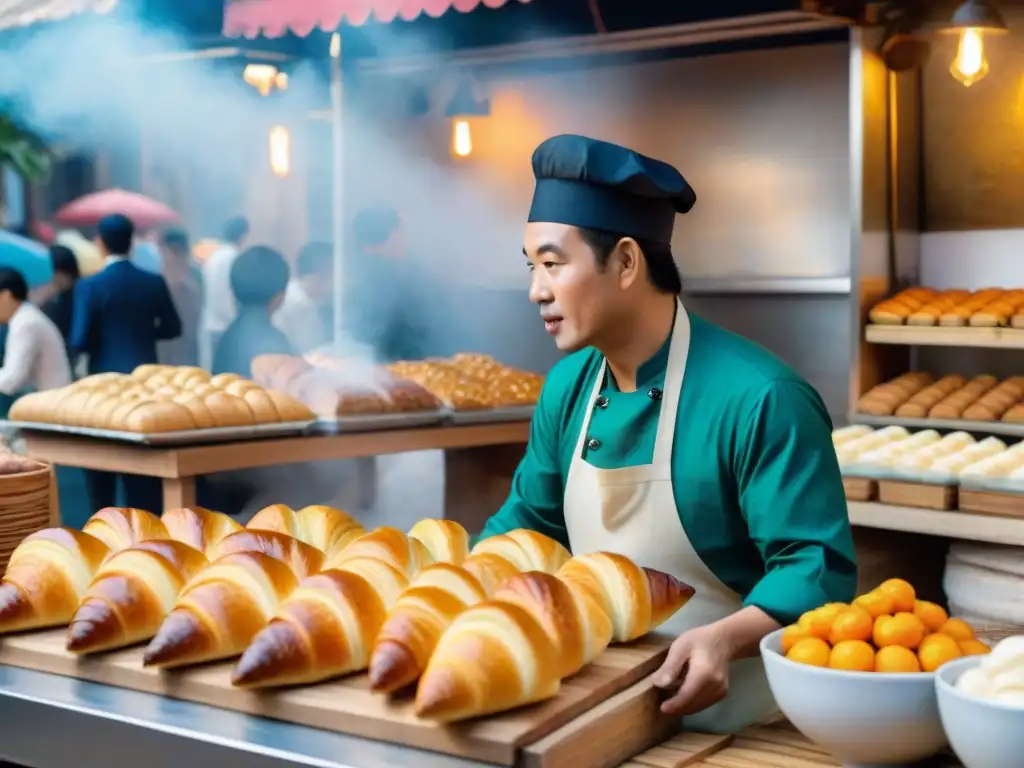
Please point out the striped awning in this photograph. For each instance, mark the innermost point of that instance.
(274, 18)
(21, 13)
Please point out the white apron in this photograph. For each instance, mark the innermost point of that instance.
(632, 511)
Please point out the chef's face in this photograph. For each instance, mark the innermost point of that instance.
(578, 299)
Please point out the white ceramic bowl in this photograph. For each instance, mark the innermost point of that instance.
(864, 719)
(984, 734)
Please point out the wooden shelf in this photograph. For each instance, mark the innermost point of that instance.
(1005, 428)
(953, 525)
(935, 336)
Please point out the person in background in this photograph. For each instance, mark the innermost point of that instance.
(146, 255)
(59, 306)
(301, 316)
(185, 282)
(259, 278)
(383, 301)
(218, 300)
(120, 314)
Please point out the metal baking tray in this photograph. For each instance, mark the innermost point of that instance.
(1004, 428)
(1009, 485)
(178, 437)
(491, 415)
(376, 422)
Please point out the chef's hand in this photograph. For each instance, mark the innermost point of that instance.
(697, 670)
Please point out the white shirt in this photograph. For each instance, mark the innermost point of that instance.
(218, 301)
(300, 320)
(35, 354)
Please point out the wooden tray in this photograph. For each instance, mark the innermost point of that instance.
(348, 706)
(992, 503)
(860, 488)
(903, 494)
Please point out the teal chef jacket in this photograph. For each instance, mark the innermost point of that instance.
(754, 473)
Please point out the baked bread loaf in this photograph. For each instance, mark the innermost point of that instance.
(425, 610)
(896, 310)
(406, 555)
(46, 577)
(131, 594)
(198, 527)
(884, 399)
(445, 540)
(329, 530)
(221, 609)
(447, 383)
(325, 628)
(526, 550)
(301, 558)
(121, 527)
(919, 404)
(953, 406)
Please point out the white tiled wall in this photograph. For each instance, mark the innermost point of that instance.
(973, 259)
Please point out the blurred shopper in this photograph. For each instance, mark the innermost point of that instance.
(304, 314)
(185, 282)
(59, 307)
(218, 300)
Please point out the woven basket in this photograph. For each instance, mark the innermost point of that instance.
(28, 503)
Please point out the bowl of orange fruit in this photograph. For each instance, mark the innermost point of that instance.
(858, 678)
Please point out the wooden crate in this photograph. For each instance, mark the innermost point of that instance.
(603, 697)
(860, 488)
(904, 494)
(992, 503)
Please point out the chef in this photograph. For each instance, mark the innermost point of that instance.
(668, 439)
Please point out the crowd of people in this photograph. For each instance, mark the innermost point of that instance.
(241, 302)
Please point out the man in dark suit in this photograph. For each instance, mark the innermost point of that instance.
(119, 315)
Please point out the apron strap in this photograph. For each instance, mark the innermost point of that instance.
(675, 372)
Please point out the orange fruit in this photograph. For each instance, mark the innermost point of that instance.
(896, 659)
(958, 629)
(818, 622)
(810, 650)
(973, 648)
(852, 656)
(901, 592)
(875, 603)
(851, 624)
(931, 615)
(936, 650)
(793, 634)
(903, 629)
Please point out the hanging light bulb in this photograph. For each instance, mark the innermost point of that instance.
(280, 151)
(265, 78)
(972, 21)
(463, 106)
(462, 139)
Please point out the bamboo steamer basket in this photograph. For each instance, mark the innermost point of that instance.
(28, 503)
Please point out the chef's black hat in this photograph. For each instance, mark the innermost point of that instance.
(597, 185)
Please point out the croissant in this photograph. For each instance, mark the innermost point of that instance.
(301, 558)
(46, 577)
(329, 530)
(526, 550)
(636, 599)
(325, 628)
(221, 609)
(445, 540)
(198, 527)
(131, 594)
(425, 610)
(121, 527)
(405, 554)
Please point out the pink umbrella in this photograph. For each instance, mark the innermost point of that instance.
(144, 212)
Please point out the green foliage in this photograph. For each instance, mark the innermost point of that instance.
(24, 152)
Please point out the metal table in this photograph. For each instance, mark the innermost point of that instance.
(50, 721)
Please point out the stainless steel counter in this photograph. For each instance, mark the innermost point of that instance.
(49, 721)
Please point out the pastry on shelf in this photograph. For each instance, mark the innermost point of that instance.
(526, 550)
(329, 530)
(1015, 415)
(447, 383)
(46, 577)
(131, 594)
(851, 451)
(301, 558)
(960, 315)
(999, 311)
(445, 540)
(994, 404)
(896, 310)
(930, 312)
(121, 527)
(953, 405)
(200, 528)
(918, 405)
(884, 399)
(405, 554)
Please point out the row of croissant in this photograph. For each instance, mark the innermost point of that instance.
(309, 595)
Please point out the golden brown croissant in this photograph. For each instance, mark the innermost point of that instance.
(405, 554)
(131, 594)
(198, 527)
(121, 527)
(425, 610)
(329, 530)
(325, 628)
(526, 550)
(46, 577)
(301, 558)
(221, 609)
(636, 599)
(445, 540)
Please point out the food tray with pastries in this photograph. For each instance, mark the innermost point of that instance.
(305, 616)
(953, 397)
(350, 395)
(163, 405)
(956, 308)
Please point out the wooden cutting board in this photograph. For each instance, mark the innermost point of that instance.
(348, 706)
